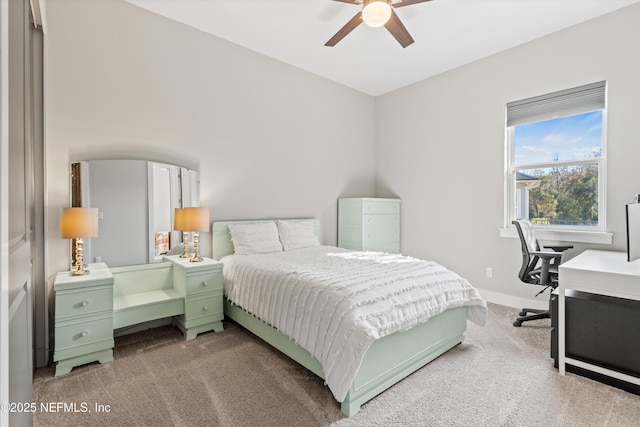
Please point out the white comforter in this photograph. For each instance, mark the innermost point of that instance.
(334, 302)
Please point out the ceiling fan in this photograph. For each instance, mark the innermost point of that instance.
(376, 13)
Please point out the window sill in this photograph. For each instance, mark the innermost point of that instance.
(599, 237)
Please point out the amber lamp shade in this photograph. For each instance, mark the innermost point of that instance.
(78, 223)
(193, 219)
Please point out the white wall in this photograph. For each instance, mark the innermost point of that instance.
(441, 145)
(269, 140)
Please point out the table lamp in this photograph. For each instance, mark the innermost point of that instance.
(178, 224)
(78, 223)
(196, 220)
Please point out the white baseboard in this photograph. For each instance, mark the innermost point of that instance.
(541, 302)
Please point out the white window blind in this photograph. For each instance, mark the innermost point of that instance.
(566, 102)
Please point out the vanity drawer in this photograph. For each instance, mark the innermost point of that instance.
(204, 282)
(201, 307)
(83, 302)
(84, 333)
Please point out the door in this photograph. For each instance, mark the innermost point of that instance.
(15, 204)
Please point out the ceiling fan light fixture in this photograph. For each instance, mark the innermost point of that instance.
(376, 13)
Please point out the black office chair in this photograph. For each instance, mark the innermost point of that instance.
(545, 274)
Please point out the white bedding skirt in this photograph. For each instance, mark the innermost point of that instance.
(335, 302)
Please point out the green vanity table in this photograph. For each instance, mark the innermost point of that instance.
(89, 308)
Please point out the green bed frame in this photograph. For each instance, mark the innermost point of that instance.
(388, 360)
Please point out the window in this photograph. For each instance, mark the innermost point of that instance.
(556, 155)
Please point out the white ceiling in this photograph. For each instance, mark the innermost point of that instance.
(447, 33)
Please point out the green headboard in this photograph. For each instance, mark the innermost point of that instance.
(221, 244)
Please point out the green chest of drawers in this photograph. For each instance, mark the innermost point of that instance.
(201, 284)
(83, 318)
(369, 224)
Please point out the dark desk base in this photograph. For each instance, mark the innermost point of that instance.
(601, 330)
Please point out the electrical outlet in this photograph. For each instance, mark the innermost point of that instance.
(488, 272)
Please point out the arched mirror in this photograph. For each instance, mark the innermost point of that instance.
(136, 201)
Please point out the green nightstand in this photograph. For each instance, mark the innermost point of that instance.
(201, 285)
(83, 318)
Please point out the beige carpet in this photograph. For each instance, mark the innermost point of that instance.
(499, 376)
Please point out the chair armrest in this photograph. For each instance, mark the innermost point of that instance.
(547, 254)
(546, 258)
(559, 248)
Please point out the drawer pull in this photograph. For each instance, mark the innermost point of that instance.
(85, 303)
(205, 283)
(205, 308)
(84, 333)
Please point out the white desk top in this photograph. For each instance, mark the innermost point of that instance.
(602, 272)
(604, 262)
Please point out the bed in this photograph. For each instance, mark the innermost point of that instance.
(364, 356)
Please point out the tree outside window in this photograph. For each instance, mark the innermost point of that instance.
(565, 157)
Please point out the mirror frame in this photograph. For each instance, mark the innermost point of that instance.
(183, 191)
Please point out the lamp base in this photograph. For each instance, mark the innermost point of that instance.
(185, 245)
(78, 267)
(79, 272)
(196, 248)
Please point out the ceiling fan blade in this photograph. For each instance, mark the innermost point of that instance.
(349, 26)
(355, 1)
(401, 4)
(398, 30)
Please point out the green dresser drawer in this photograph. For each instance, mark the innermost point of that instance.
(204, 306)
(372, 233)
(381, 221)
(389, 247)
(380, 207)
(83, 302)
(379, 240)
(205, 282)
(83, 333)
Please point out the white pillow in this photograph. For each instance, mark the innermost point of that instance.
(297, 234)
(255, 238)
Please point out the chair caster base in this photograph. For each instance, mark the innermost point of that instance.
(525, 317)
